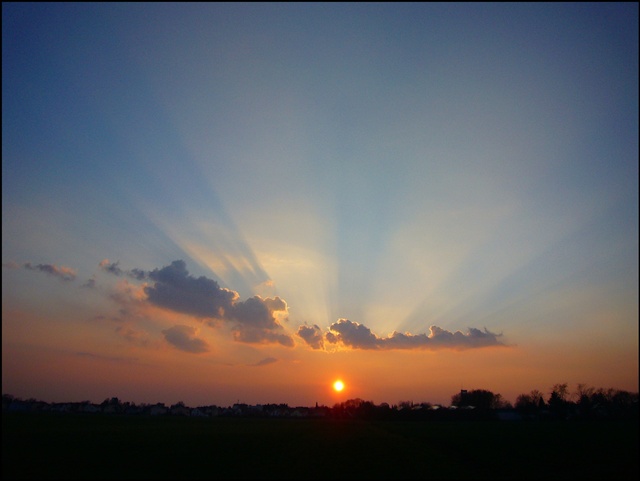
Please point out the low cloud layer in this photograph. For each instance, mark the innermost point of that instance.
(358, 336)
(255, 320)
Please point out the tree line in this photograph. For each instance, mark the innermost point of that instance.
(584, 403)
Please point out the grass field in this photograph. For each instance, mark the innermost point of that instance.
(54, 446)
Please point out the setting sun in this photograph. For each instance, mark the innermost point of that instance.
(338, 386)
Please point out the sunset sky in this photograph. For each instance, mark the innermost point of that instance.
(220, 203)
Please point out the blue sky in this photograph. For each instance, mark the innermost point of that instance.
(472, 167)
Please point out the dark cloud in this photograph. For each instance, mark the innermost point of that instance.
(61, 272)
(176, 290)
(352, 334)
(138, 274)
(184, 338)
(312, 335)
(358, 336)
(255, 320)
(258, 312)
(90, 283)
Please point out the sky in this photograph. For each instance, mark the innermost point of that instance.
(243, 202)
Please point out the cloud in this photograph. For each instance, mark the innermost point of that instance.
(258, 312)
(261, 336)
(130, 297)
(312, 335)
(176, 290)
(113, 268)
(358, 336)
(255, 320)
(136, 318)
(265, 361)
(184, 338)
(90, 283)
(64, 273)
(134, 336)
(352, 334)
(138, 274)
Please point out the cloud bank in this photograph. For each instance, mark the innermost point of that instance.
(255, 320)
(358, 336)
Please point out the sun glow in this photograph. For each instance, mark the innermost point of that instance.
(338, 386)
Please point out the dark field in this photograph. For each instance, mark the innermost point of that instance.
(39, 446)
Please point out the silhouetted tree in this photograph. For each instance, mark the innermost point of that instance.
(478, 398)
(558, 403)
(6, 401)
(500, 403)
(530, 404)
(561, 391)
(589, 402)
(584, 400)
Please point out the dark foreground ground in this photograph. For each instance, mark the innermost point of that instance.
(55, 446)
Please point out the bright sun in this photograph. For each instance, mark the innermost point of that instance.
(338, 386)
